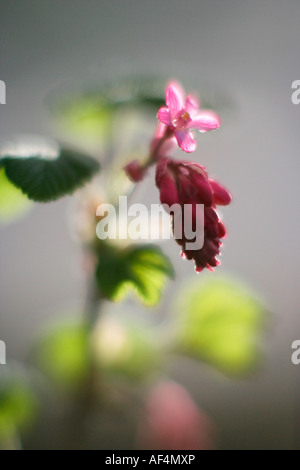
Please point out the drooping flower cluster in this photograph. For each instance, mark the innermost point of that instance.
(186, 183)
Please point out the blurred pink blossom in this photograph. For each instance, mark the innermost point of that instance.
(174, 422)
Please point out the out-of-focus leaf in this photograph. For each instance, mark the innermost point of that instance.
(86, 116)
(145, 91)
(143, 269)
(43, 170)
(124, 348)
(63, 353)
(18, 405)
(90, 113)
(13, 203)
(220, 323)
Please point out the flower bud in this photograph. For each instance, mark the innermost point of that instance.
(220, 194)
(135, 171)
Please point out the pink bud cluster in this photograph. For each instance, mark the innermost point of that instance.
(183, 183)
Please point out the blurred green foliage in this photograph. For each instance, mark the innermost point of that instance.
(86, 117)
(63, 353)
(13, 203)
(141, 268)
(90, 114)
(125, 348)
(18, 405)
(220, 322)
(118, 347)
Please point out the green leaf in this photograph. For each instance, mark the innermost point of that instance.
(124, 348)
(43, 170)
(220, 323)
(143, 269)
(13, 203)
(63, 353)
(17, 405)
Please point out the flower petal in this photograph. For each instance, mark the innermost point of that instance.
(205, 121)
(164, 116)
(191, 105)
(185, 141)
(174, 99)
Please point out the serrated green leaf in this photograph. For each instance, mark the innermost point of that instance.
(13, 203)
(220, 323)
(44, 171)
(63, 353)
(143, 269)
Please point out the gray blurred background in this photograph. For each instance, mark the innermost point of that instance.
(248, 51)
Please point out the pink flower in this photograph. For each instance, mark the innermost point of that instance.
(182, 115)
(181, 182)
